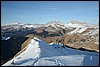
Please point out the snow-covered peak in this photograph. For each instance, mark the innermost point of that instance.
(75, 24)
(55, 24)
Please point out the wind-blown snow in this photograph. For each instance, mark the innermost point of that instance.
(38, 53)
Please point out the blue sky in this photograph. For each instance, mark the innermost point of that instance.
(42, 12)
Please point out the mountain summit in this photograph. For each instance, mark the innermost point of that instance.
(76, 23)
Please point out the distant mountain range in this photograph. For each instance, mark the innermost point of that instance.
(53, 28)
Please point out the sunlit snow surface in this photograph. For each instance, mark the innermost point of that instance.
(38, 53)
(78, 30)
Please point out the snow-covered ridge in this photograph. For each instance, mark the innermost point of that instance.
(38, 53)
(78, 30)
(76, 24)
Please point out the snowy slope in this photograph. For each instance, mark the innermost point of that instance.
(74, 25)
(55, 24)
(78, 30)
(92, 32)
(38, 53)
